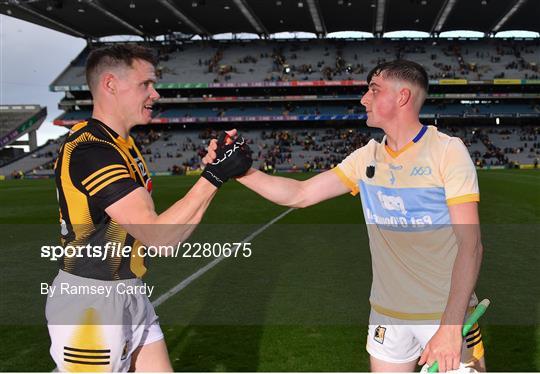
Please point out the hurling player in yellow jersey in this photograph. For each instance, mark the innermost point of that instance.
(419, 196)
(104, 193)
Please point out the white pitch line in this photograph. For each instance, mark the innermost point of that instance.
(186, 282)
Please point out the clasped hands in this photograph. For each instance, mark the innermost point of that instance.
(229, 156)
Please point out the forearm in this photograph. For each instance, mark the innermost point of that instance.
(464, 276)
(174, 225)
(181, 219)
(190, 209)
(279, 190)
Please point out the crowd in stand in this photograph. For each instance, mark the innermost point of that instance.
(276, 110)
(498, 156)
(331, 146)
(322, 149)
(452, 60)
(284, 70)
(458, 62)
(197, 150)
(143, 138)
(188, 146)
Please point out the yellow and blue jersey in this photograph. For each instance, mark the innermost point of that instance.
(405, 198)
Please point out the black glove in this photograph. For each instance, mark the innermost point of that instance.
(232, 160)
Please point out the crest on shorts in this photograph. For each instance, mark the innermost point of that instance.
(124, 352)
(379, 334)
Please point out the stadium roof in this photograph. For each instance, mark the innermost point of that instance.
(99, 18)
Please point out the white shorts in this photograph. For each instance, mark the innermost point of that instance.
(95, 330)
(399, 341)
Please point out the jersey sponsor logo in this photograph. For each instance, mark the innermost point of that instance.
(392, 202)
(379, 334)
(404, 209)
(420, 171)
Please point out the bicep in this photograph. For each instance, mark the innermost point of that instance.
(136, 207)
(466, 223)
(322, 187)
(464, 214)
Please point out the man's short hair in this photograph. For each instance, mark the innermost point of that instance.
(115, 56)
(402, 70)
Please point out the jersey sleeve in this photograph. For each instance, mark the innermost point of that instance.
(348, 170)
(100, 172)
(459, 174)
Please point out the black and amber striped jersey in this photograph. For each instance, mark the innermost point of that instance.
(95, 168)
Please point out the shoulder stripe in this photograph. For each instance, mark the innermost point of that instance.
(108, 182)
(102, 170)
(105, 177)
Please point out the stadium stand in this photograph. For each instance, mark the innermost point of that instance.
(303, 148)
(269, 61)
(15, 122)
(35, 163)
(442, 109)
(320, 148)
(19, 120)
(298, 99)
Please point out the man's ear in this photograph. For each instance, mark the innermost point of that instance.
(405, 95)
(108, 83)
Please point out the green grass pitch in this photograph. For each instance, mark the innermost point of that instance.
(299, 302)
